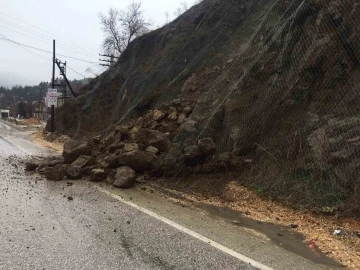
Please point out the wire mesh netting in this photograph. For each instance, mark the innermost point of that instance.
(277, 83)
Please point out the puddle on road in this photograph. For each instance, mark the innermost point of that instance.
(281, 236)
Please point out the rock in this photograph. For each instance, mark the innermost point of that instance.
(74, 172)
(114, 147)
(124, 178)
(139, 122)
(173, 116)
(193, 156)
(171, 162)
(97, 175)
(158, 115)
(131, 147)
(56, 173)
(207, 146)
(95, 153)
(83, 161)
(73, 149)
(42, 168)
(87, 170)
(187, 110)
(138, 160)
(134, 133)
(96, 140)
(182, 117)
(152, 149)
(31, 166)
(53, 161)
(140, 179)
(176, 102)
(107, 162)
(158, 140)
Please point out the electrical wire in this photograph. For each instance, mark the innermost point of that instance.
(4, 14)
(67, 66)
(36, 54)
(46, 51)
(47, 40)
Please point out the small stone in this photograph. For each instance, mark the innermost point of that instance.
(207, 146)
(158, 115)
(31, 166)
(70, 198)
(176, 102)
(173, 116)
(131, 147)
(97, 175)
(182, 117)
(152, 149)
(187, 110)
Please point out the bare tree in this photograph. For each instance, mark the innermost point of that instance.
(120, 27)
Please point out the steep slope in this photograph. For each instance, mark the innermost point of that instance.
(274, 82)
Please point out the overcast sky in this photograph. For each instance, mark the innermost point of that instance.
(71, 22)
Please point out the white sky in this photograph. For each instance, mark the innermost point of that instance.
(74, 22)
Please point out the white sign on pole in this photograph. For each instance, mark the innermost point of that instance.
(51, 97)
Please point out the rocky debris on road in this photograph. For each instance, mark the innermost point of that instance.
(56, 173)
(97, 175)
(74, 172)
(31, 166)
(138, 148)
(125, 177)
(74, 149)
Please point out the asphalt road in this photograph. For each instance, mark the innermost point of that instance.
(79, 225)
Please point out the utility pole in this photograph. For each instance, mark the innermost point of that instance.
(52, 126)
(111, 61)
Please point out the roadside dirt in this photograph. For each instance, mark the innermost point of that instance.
(241, 203)
(38, 138)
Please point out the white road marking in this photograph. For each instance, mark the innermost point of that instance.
(6, 126)
(16, 146)
(188, 231)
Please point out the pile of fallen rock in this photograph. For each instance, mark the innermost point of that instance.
(138, 150)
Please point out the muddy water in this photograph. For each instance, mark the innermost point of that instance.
(281, 236)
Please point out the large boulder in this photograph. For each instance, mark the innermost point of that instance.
(74, 172)
(83, 161)
(158, 140)
(138, 160)
(170, 163)
(193, 156)
(207, 146)
(125, 177)
(97, 175)
(75, 148)
(56, 173)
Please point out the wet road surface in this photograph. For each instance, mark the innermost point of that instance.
(77, 225)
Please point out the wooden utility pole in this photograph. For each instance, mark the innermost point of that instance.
(52, 126)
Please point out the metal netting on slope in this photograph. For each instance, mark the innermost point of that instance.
(287, 100)
(290, 103)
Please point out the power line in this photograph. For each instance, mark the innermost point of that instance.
(75, 71)
(36, 54)
(47, 31)
(44, 37)
(46, 51)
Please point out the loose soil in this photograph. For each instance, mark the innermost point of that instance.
(38, 138)
(245, 206)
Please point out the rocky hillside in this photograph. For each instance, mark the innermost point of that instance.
(275, 84)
